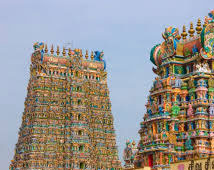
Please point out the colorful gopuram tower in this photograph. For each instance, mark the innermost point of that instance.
(179, 122)
(67, 122)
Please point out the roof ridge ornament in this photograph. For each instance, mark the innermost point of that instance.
(184, 33)
(191, 30)
(199, 28)
(167, 48)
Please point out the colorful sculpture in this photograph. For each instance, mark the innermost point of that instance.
(190, 110)
(99, 57)
(67, 123)
(167, 48)
(188, 144)
(129, 154)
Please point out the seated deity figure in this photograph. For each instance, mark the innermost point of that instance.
(203, 67)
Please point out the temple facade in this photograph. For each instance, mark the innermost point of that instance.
(179, 122)
(67, 122)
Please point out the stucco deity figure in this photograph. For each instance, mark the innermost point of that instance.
(203, 67)
(175, 110)
(190, 110)
(172, 126)
(129, 154)
(188, 144)
(181, 127)
(211, 109)
(178, 83)
(211, 82)
(191, 83)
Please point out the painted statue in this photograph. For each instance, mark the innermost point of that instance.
(191, 83)
(129, 154)
(207, 39)
(161, 110)
(175, 110)
(190, 110)
(211, 109)
(194, 50)
(203, 67)
(172, 126)
(99, 57)
(201, 89)
(178, 83)
(188, 144)
(39, 47)
(211, 82)
(167, 48)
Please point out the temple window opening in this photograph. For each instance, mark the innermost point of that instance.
(81, 148)
(82, 165)
(80, 133)
(159, 99)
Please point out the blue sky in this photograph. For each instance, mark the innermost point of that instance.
(125, 30)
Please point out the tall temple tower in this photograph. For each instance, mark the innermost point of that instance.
(179, 122)
(67, 122)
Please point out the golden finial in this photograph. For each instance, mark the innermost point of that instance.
(184, 33)
(46, 48)
(86, 55)
(63, 52)
(52, 50)
(57, 51)
(80, 53)
(205, 21)
(191, 30)
(178, 37)
(69, 52)
(198, 28)
(92, 56)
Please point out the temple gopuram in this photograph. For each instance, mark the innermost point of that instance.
(179, 122)
(67, 122)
